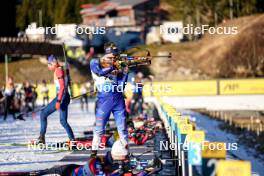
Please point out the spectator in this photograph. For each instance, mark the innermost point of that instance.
(2, 99)
(9, 95)
(84, 98)
(30, 96)
(19, 98)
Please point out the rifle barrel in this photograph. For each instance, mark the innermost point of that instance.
(169, 56)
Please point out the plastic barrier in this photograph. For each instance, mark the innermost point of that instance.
(243, 86)
(191, 150)
(186, 88)
(205, 87)
(181, 88)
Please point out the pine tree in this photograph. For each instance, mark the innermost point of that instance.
(189, 11)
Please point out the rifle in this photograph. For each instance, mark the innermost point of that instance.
(67, 72)
(123, 60)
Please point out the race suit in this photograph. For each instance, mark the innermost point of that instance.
(110, 99)
(63, 95)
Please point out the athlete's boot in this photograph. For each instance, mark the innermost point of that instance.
(71, 144)
(40, 140)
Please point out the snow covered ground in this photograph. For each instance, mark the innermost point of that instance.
(20, 158)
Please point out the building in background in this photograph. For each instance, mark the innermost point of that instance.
(120, 13)
(127, 21)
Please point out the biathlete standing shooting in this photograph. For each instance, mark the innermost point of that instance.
(110, 84)
(60, 103)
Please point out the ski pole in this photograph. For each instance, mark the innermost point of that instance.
(32, 112)
(79, 96)
(42, 107)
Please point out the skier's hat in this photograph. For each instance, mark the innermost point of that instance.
(111, 48)
(119, 149)
(52, 58)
